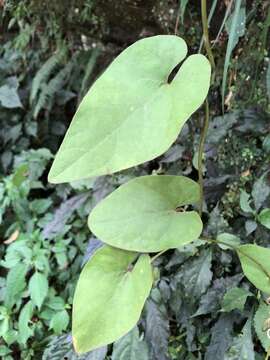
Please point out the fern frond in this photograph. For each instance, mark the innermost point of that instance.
(49, 90)
(88, 71)
(45, 72)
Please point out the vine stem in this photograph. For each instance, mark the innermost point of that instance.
(158, 255)
(208, 49)
(207, 44)
(200, 154)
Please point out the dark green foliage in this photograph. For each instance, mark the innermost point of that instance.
(48, 59)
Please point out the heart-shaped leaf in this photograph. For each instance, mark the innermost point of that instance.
(109, 297)
(256, 265)
(132, 114)
(145, 214)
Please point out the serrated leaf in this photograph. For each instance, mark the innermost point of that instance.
(261, 323)
(235, 298)
(256, 265)
(264, 218)
(211, 300)
(260, 191)
(130, 347)
(221, 338)
(143, 215)
(15, 283)
(109, 297)
(242, 347)
(59, 321)
(23, 324)
(157, 327)
(132, 114)
(196, 274)
(38, 288)
(61, 348)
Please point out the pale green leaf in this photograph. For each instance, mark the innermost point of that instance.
(256, 265)
(59, 321)
(143, 215)
(130, 347)
(9, 97)
(229, 239)
(264, 218)
(132, 114)
(245, 202)
(262, 322)
(109, 297)
(38, 288)
(25, 330)
(237, 18)
(15, 283)
(235, 298)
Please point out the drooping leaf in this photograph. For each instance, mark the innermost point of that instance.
(235, 31)
(132, 114)
(130, 347)
(143, 215)
(264, 218)
(38, 288)
(109, 297)
(235, 298)
(256, 265)
(261, 323)
(157, 327)
(240, 26)
(242, 347)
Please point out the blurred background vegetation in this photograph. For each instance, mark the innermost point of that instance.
(50, 54)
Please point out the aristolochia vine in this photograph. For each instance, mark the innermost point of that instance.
(133, 114)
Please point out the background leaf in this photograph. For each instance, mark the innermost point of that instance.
(242, 347)
(264, 218)
(256, 266)
(261, 327)
(38, 288)
(130, 347)
(235, 30)
(157, 327)
(235, 298)
(25, 331)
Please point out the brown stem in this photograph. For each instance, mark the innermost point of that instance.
(200, 154)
